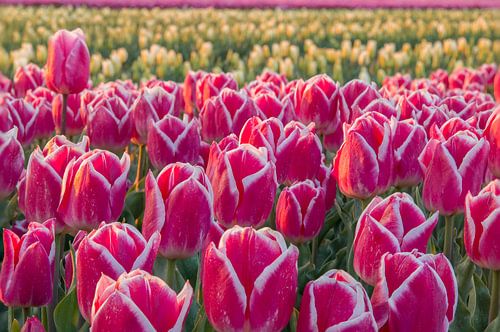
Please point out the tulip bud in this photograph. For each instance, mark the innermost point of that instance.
(358, 94)
(413, 103)
(93, 190)
(5, 83)
(23, 116)
(172, 140)
(109, 124)
(492, 135)
(11, 162)
(183, 226)
(274, 78)
(241, 277)
(74, 122)
(267, 133)
(140, 302)
(401, 299)
(451, 169)
(300, 211)
(110, 250)
(41, 99)
(68, 62)
(240, 177)
(189, 92)
(271, 106)
(392, 225)
(432, 115)
(172, 88)
(28, 265)
(33, 324)
(319, 313)
(211, 85)
(27, 78)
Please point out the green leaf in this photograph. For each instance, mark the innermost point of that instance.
(66, 314)
(15, 327)
(189, 269)
(482, 304)
(464, 271)
(494, 326)
(135, 203)
(462, 319)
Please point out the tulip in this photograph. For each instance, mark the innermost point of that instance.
(93, 190)
(241, 177)
(257, 88)
(172, 140)
(350, 311)
(459, 107)
(111, 250)
(300, 211)
(68, 62)
(73, 121)
(211, 85)
(241, 277)
(109, 124)
(40, 189)
(298, 156)
(415, 292)
(492, 135)
(27, 78)
(33, 324)
(488, 70)
(413, 103)
(381, 105)
(357, 95)
(125, 90)
(41, 99)
(68, 260)
(189, 92)
(274, 78)
(270, 106)
(451, 169)
(396, 84)
(5, 84)
(432, 86)
(409, 140)
(179, 205)
(440, 76)
(23, 116)
(28, 265)
(451, 127)
(432, 115)
(364, 163)
(394, 224)
(267, 133)
(172, 88)
(229, 142)
(139, 302)
(89, 98)
(151, 104)
(496, 86)
(11, 162)
(326, 179)
(224, 114)
(20, 227)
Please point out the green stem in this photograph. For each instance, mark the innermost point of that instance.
(139, 167)
(314, 250)
(170, 276)
(448, 237)
(55, 287)
(26, 313)
(44, 317)
(495, 298)
(63, 113)
(10, 318)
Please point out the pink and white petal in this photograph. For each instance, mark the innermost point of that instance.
(418, 237)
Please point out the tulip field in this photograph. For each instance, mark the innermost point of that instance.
(168, 169)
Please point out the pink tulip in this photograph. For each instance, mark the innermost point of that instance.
(357, 95)
(179, 205)
(364, 163)
(381, 105)
(27, 78)
(396, 84)
(20, 227)
(300, 211)
(267, 133)
(172, 88)
(27, 267)
(189, 92)
(249, 280)
(432, 115)
(11, 162)
(326, 179)
(68, 62)
(41, 99)
(139, 302)
(496, 86)
(272, 77)
(413, 103)
(270, 106)
(432, 86)
(211, 85)
(415, 292)
(172, 140)
(482, 226)
(74, 122)
(451, 169)
(93, 190)
(33, 324)
(394, 224)
(109, 124)
(492, 135)
(224, 114)
(451, 127)
(5, 84)
(151, 104)
(488, 70)
(24, 117)
(440, 76)
(111, 250)
(409, 140)
(256, 88)
(350, 310)
(68, 260)
(89, 98)
(298, 156)
(241, 177)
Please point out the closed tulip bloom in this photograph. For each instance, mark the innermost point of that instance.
(257, 88)
(409, 139)
(40, 189)
(298, 156)
(432, 115)
(139, 302)
(242, 277)
(492, 134)
(74, 121)
(11, 162)
(358, 94)
(229, 142)
(496, 86)
(397, 83)
(111, 250)
(68, 260)
(41, 99)
(151, 104)
(68, 62)
(300, 211)
(172, 140)
(24, 117)
(364, 163)
(270, 106)
(189, 91)
(381, 105)
(326, 179)
(93, 190)
(335, 302)
(394, 224)
(171, 87)
(482, 226)
(272, 77)
(27, 78)
(109, 124)
(27, 267)
(5, 83)
(33, 324)
(451, 169)
(211, 85)
(440, 76)
(179, 205)
(225, 114)
(267, 133)
(451, 127)
(415, 292)
(413, 103)
(322, 103)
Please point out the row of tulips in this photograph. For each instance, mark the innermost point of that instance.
(239, 225)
